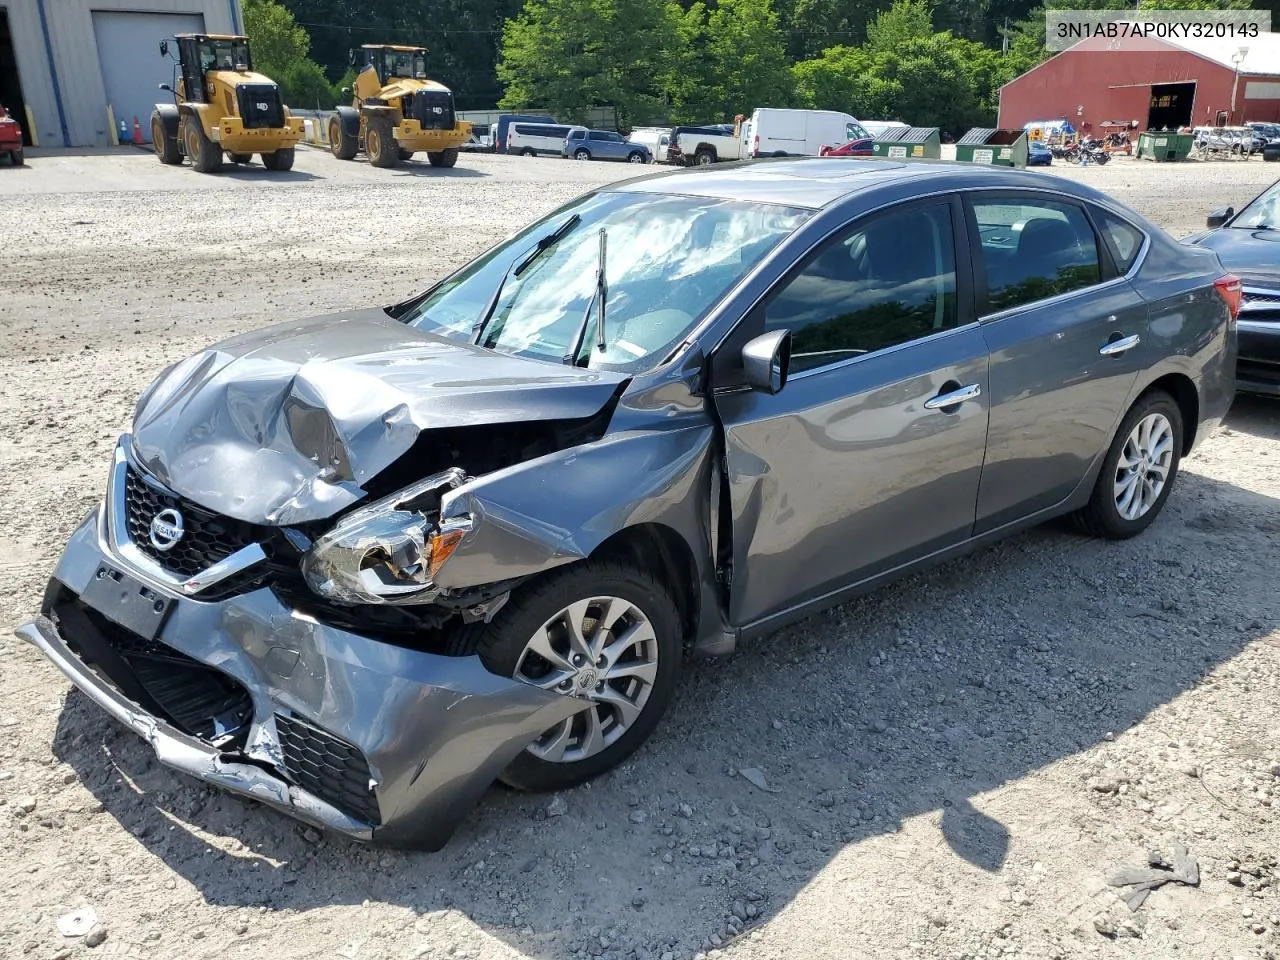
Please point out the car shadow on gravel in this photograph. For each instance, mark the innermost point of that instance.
(237, 171)
(915, 699)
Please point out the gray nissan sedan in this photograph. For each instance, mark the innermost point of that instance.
(358, 568)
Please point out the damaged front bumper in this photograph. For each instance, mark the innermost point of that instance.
(376, 741)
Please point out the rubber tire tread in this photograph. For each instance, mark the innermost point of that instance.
(390, 152)
(443, 158)
(1099, 518)
(340, 145)
(500, 644)
(166, 148)
(281, 160)
(208, 157)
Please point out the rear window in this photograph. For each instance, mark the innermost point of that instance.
(1123, 239)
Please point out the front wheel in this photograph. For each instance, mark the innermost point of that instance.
(1138, 472)
(280, 160)
(166, 147)
(380, 144)
(406, 155)
(443, 158)
(16, 158)
(605, 635)
(635, 157)
(240, 157)
(341, 144)
(206, 156)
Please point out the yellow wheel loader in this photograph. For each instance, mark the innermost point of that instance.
(220, 106)
(396, 111)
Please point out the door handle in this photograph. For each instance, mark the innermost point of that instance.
(1123, 345)
(954, 398)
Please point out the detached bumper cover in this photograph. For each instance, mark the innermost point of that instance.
(328, 707)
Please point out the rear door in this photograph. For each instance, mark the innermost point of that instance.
(870, 455)
(1067, 335)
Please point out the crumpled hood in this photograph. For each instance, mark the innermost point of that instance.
(286, 424)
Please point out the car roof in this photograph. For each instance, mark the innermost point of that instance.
(814, 182)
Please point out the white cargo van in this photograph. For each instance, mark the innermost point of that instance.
(773, 132)
(537, 139)
(878, 128)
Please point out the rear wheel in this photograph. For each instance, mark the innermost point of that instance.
(526, 152)
(379, 144)
(444, 158)
(341, 145)
(280, 160)
(605, 635)
(581, 154)
(1138, 472)
(16, 158)
(205, 155)
(166, 147)
(240, 157)
(406, 155)
(704, 157)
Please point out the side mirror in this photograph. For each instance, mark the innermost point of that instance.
(346, 91)
(1219, 217)
(165, 86)
(765, 361)
(351, 58)
(164, 48)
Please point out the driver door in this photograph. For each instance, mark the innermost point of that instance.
(870, 455)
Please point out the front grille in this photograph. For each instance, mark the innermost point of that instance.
(433, 109)
(328, 767)
(207, 538)
(260, 105)
(194, 697)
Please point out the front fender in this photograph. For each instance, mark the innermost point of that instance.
(349, 117)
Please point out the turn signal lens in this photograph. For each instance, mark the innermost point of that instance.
(1232, 291)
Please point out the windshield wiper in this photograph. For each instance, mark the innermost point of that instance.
(518, 267)
(598, 297)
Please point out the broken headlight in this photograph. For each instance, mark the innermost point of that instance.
(389, 551)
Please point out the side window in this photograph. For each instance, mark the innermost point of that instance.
(884, 282)
(1123, 239)
(853, 131)
(1033, 249)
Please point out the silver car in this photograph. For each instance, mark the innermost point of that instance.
(358, 567)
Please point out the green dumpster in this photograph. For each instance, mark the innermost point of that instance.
(906, 143)
(1162, 146)
(1003, 148)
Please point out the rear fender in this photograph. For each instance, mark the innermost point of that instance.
(168, 113)
(349, 117)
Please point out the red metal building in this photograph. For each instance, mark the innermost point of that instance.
(1161, 84)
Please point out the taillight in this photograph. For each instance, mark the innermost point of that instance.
(1231, 290)
(755, 145)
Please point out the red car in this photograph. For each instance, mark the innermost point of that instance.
(854, 148)
(10, 138)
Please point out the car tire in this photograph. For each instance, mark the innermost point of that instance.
(341, 145)
(16, 158)
(1129, 462)
(704, 158)
(581, 154)
(538, 610)
(635, 156)
(281, 160)
(443, 158)
(527, 152)
(205, 155)
(380, 143)
(166, 147)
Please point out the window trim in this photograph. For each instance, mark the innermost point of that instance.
(1110, 274)
(966, 316)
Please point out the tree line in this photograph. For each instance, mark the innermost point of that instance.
(684, 61)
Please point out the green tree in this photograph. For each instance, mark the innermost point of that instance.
(567, 56)
(845, 79)
(280, 49)
(745, 63)
(905, 21)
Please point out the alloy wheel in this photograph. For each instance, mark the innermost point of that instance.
(602, 651)
(1143, 467)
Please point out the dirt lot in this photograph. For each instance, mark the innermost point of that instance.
(953, 764)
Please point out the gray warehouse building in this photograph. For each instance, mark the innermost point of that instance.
(63, 63)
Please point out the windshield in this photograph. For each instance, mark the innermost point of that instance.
(224, 55)
(399, 63)
(670, 259)
(1263, 212)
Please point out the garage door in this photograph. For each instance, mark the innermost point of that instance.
(132, 68)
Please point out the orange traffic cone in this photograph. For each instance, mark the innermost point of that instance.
(137, 131)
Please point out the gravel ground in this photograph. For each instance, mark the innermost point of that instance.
(947, 768)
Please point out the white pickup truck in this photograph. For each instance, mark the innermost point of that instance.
(703, 145)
